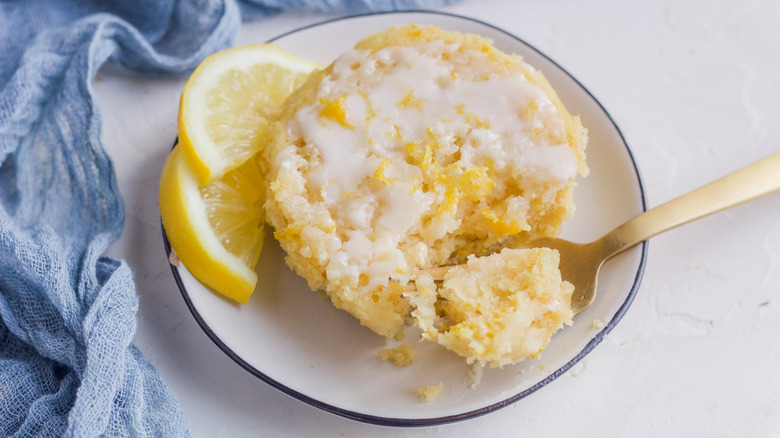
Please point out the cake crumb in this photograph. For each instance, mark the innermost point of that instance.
(597, 324)
(400, 356)
(173, 259)
(429, 393)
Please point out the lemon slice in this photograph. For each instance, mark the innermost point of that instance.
(215, 229)
(228, 102)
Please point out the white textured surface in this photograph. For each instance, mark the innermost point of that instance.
(693, 86)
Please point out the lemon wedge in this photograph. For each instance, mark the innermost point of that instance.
(228, 102)
(215, 229)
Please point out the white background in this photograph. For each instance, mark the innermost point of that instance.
(694, 87)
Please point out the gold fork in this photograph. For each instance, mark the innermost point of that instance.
(580, 262)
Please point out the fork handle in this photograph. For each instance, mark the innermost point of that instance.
(751, 182)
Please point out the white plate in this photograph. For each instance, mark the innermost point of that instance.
(296, 341)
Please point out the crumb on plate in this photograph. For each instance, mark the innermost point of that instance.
(400, 356)
(429, 393)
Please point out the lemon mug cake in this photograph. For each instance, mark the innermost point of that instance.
(420, 148)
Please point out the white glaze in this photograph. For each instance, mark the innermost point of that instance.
(362, 132)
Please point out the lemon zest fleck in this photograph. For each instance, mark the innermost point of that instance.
(336, 110)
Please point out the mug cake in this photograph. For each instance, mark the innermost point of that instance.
(419, 148)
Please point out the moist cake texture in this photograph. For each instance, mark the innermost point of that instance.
(419, 148)
(498, 309)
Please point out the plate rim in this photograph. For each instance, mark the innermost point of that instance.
(432, 421)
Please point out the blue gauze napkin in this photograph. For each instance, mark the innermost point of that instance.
(67, 313)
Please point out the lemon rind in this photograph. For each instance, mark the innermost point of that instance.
(206, 159)
(188, 230)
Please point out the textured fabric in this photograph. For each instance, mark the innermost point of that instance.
(67, 314)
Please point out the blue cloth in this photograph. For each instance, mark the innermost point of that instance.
(67, 313)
